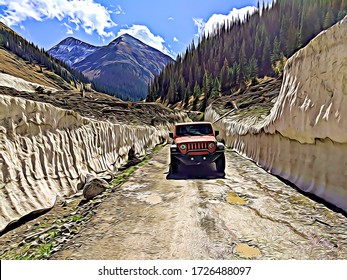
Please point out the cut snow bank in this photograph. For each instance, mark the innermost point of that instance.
(20, 84)
(304, 138)
(47, 152)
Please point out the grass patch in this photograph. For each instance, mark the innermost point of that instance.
(121, 178)
(46, 248)
(76, 218)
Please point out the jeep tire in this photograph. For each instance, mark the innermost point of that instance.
(173, 165)
(220, 163)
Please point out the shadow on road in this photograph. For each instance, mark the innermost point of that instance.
(195, 172)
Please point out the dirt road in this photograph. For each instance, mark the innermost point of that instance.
(247, 214)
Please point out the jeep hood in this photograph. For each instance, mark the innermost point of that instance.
(195, 139)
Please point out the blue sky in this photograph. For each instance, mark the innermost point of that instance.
(166, 25)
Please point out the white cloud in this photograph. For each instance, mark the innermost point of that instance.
(119, 10)
(87, 14)
(217, 19)
(69, 29)
(199, 22)
(170, 18)
(77, 22)
(143, 33)
(175, 39)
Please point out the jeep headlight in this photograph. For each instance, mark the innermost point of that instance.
(173, 148)
(183, 146)
(211, 145)
(220, 146)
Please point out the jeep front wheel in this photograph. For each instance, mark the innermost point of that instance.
(220, 163)
(173, 165)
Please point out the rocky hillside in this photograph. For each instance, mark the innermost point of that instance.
(124, 68)
(303, 138)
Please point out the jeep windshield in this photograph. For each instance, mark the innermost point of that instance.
(194, 129)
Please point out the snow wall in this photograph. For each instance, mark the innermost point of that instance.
(304, 138)
(47, 152)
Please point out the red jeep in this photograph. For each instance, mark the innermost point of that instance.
(195, 144)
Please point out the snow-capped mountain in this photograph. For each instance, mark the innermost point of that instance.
(72, 50)
(123, 68)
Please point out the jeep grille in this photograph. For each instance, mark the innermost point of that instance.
(197, 146)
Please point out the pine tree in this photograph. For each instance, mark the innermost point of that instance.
(187, 94)
(216, 88)
(276, 55)
(236, 73)
(329, 19)
(252, 70)
(207, 85)
(242, 61)
(265, 58)
(341, 14)
(197, 91)
(224, 76)
(171, 94)
(197, 94)
(343, 6)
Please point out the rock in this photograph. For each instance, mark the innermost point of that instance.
(94, 188)
(245, 251)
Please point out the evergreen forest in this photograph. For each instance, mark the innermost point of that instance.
(238, 53)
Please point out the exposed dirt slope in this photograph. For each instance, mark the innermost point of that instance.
(17, 67)
(254, 102)
(99, 106)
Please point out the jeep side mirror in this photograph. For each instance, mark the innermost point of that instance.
(216, 133)
(171, 135)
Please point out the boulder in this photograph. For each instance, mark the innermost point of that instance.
(94, 187)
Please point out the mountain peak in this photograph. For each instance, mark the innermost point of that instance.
(135, 43)
(125, 38)
(72, 41)
(127, 35)
(72, 50)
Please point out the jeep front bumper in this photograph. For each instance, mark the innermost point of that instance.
(197, 159)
